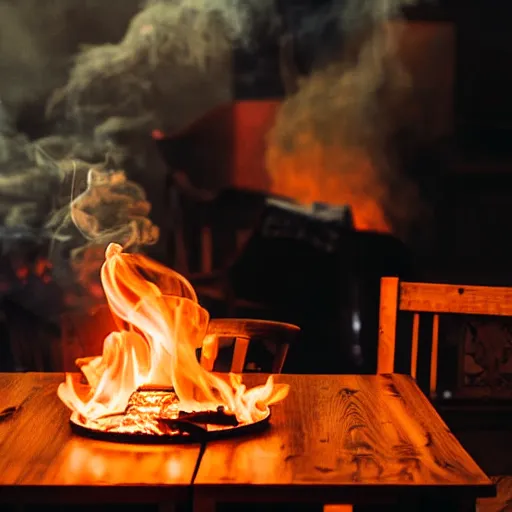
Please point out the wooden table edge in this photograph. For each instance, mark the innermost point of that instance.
(336, 494)
(90, 494)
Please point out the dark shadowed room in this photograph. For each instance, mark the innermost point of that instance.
(254, 255)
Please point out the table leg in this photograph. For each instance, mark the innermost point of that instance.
(203, 503)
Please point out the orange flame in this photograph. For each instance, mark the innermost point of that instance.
(312, 171)
(160, 326)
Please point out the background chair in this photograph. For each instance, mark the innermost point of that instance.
(469, 419)
(396, 295)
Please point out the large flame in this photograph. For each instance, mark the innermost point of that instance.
(160, 326)
(313, 171)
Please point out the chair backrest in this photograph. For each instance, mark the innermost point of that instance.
(277, 336)
(211, 233)
(396, 295)
(207, 247)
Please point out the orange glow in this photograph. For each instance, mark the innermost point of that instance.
(311, 172)
(40, 268)
(160, 324)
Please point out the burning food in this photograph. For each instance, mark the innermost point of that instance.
(148, 381)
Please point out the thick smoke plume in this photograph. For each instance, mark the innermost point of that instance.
(76, 193)
(332, 139)
(174, 63)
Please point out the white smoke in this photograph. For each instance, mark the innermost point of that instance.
(174, 63)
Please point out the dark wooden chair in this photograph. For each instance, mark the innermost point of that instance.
(484, 443)
(276, 336)
(436, 299)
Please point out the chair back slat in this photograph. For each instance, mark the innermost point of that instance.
(414, 348)
(239, 354)
(433, 298)
(434, 354)
(387, 325)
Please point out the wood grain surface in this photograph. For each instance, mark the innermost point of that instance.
(343, 439)
(41, 460)
(335, 439)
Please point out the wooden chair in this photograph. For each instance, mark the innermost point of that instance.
(277, 337)
(433, 298)
(417, 298)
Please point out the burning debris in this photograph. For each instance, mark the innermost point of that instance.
(161, 326)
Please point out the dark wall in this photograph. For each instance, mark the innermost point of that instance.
(484, 84)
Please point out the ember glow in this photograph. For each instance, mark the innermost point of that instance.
(160, 326)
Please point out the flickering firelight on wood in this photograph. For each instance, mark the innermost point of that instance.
(148, 380)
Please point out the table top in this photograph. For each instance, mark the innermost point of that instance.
(39, 451)
(343, 435)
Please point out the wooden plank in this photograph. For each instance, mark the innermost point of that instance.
(42, 461)
(387, 324)
(342, 439)
(414, 346)
(446, 298)
(434, 356)
(240, 354)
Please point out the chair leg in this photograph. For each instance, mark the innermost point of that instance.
(280, 358)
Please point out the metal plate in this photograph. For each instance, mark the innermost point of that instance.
(146, 406)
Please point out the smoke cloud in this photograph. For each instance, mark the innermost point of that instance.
(105, 206)
(174, 63)
(38, 42)
(76, 193)
(332, 140)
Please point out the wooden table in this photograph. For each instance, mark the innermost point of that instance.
(335, 439)
(345, 439)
